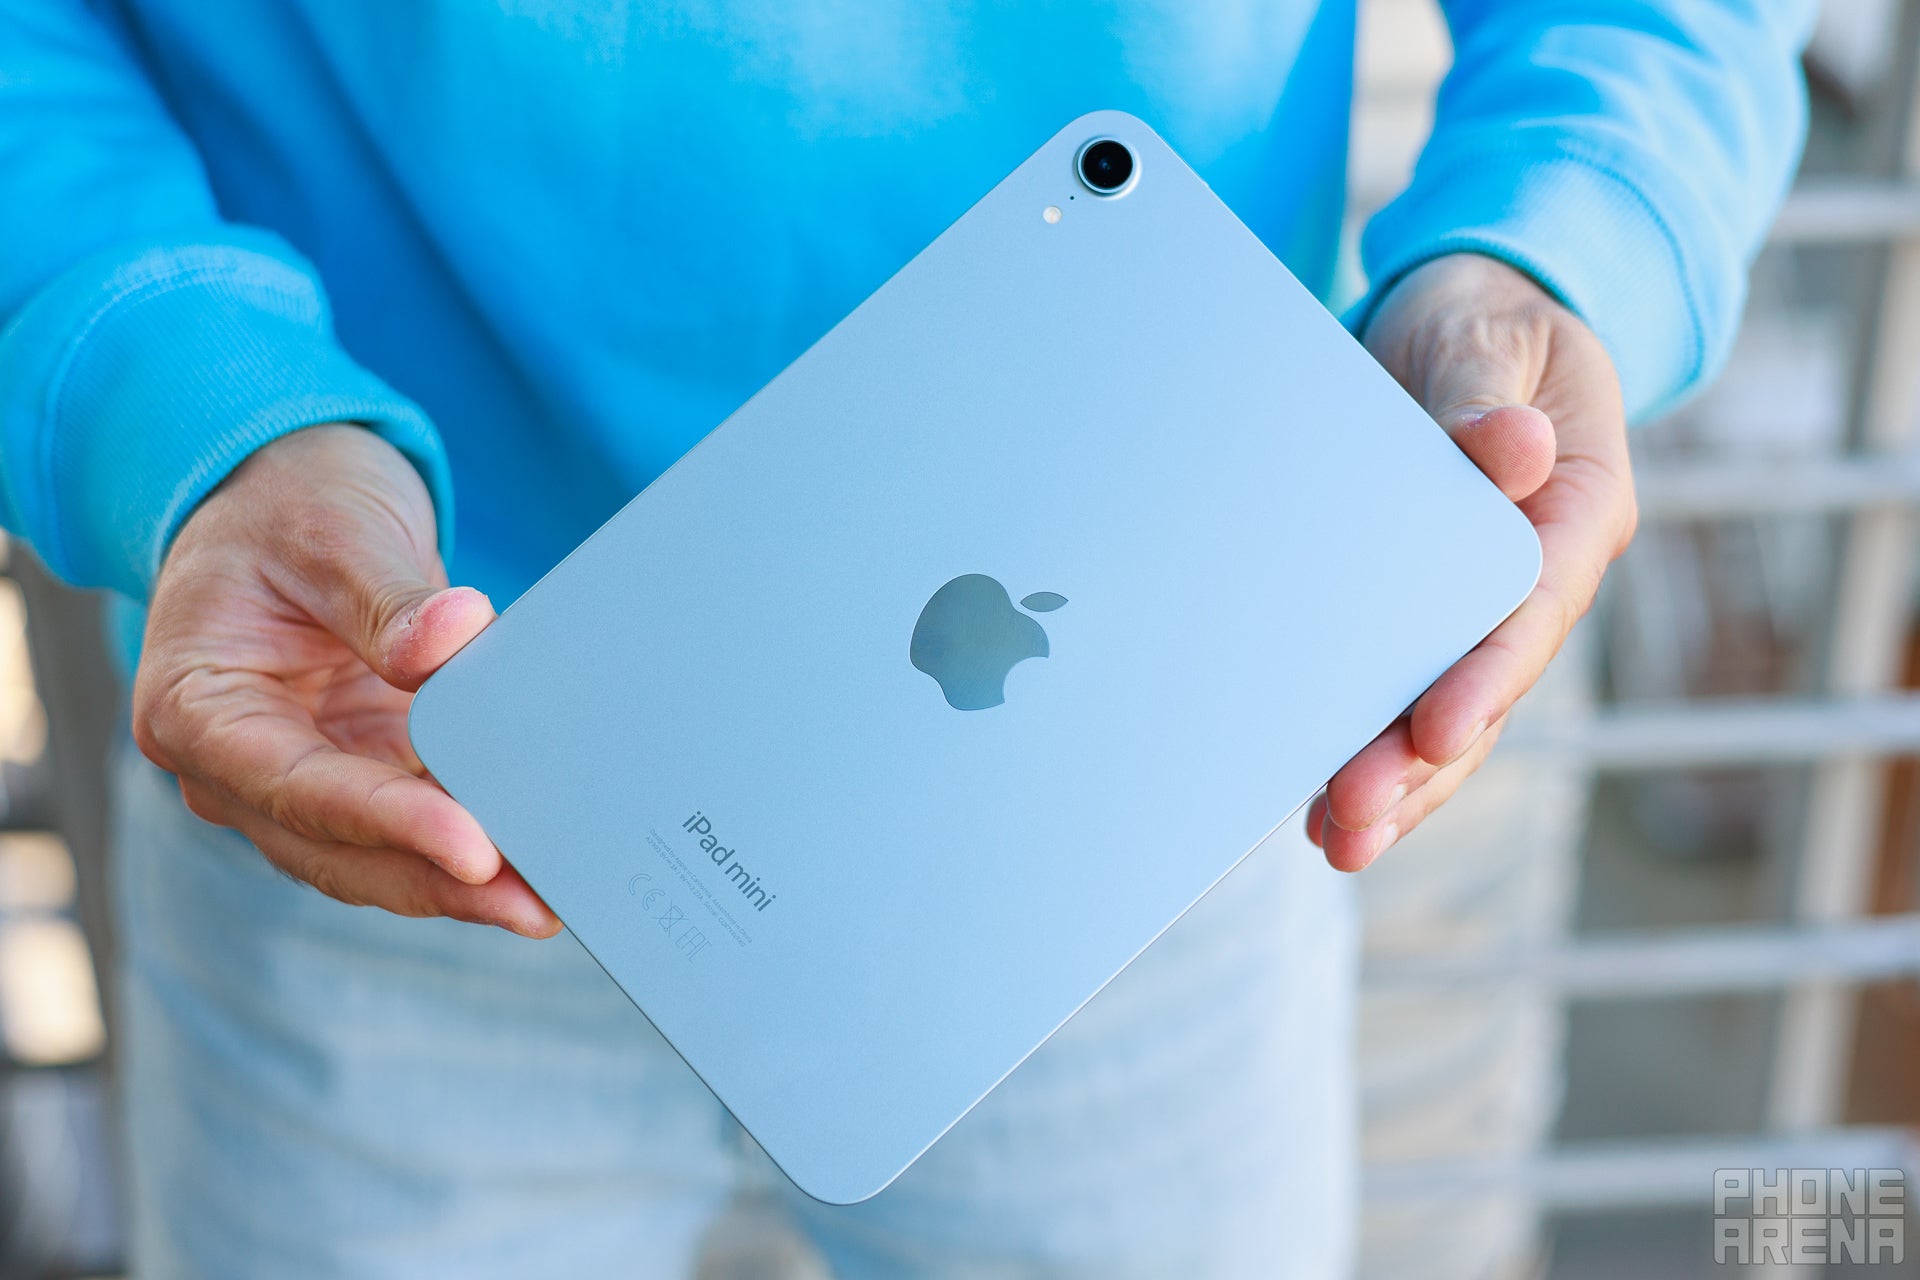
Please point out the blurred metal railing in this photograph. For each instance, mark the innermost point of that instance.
(1641, 1174)
(1847, 732)
(66, 790)
(1849, 211)
(1867, 633)
(1757, 487)
(1723, 733)
(58, 1179)
(1692, 962)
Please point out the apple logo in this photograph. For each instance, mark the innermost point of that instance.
(970, 636)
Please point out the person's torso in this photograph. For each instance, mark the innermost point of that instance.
(579, 234)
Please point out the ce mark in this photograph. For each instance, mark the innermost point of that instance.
(649, 898)
(673, 922)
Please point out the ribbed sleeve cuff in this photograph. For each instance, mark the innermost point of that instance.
(1575, 224)
(132, 385)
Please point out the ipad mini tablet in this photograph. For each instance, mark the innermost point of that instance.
(882, 730)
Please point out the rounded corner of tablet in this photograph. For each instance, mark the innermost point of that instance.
(1528, 557)
(1106, 120)
(1529, 553)
(424, 716)
(837, 1167)
(839, 1187)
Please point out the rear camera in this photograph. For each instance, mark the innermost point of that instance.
(1106, 166)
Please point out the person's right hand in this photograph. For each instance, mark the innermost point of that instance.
(297, 610)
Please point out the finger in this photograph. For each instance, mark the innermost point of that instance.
(417, 638)
(235, 734)
(1477, 385)
(402, 626)
(1316, 817)
(397, 615)
(378, 587)
(1478, 375)
(1376, 779)
(1513, 445)
(1356, 850)
(390, 879)
(349, 537)
(370, 578)
(1576, 544)
(1459, 349)
(331, 795)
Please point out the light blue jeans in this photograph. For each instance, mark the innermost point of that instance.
(315, 1090)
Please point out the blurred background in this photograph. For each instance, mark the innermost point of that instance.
(1673, 927)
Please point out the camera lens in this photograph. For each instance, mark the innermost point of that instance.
(1106, 166)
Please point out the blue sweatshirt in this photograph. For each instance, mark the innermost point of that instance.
(543, 247)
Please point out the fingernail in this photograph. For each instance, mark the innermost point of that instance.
(1472, 418)
(1384, 835)
(463, 868)
(1473, 736)
(1388, 834)
(1394, 797)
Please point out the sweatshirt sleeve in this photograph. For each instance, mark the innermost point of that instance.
(146, 345)
(1627, 154)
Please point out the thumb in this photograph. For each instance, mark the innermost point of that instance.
(400, 617)
(1471, 339)
(1513, 444)
(1479, 397)
(353, 529)
(415, 627)
(378, 585)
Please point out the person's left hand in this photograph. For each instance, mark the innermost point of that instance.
(1527, 391)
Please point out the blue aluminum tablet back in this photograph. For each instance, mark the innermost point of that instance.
(745, 739)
